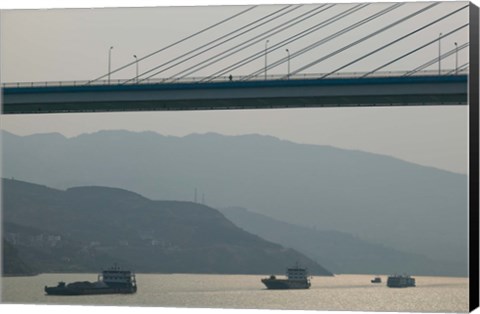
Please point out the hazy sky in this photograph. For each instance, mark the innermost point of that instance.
(54, 45)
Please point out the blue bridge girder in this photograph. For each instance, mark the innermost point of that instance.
(260, 94)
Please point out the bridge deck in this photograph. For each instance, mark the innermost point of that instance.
(334, 92)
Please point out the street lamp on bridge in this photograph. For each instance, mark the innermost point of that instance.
(109, 63)
(288, 63)
(266, 44)
(439, 55)
(136, 66)
(456, 58)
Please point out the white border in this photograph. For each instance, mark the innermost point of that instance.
(48, 4)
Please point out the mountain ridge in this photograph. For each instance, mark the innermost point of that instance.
(380, 199)
(84, 228)
(219, 135)
(340, 252)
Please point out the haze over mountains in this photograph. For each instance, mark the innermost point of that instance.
(340, 252)
(89, 228)
(378, 199)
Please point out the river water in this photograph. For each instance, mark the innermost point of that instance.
(339, 293)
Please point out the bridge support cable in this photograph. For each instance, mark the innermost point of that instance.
(176, 43)
(286, 41)
(219, 44)
(381, 48)
(463, 67)
(325, 40)
(255, 40)
(397, 40)
(435, 60)
(402, 20)
(415, 50)
(251, 25)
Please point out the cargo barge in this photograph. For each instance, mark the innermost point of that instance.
(297, 278)
(111, 281)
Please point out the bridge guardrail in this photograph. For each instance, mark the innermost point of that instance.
(226, 78)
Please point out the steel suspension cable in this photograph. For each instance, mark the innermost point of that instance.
(461, 68)
(238, 35)
(415, 50)
(435, 60)
(212, 42)
(267, 33)
(287, 41)
(329, 38)
(391, 43)
(374, 34)
(176, 43)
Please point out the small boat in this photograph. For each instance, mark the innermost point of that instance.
(376, 280)
(297, 278)
(400, 281)
(110, 281)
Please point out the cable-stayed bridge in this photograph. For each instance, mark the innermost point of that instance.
(324, 55)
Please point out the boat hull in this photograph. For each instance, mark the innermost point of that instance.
(286, 284)
(66, 291)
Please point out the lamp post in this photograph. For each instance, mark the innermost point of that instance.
(136, 66)
(288, 63)
(266, 44)
(456, 58)
(109, 63)
(439, 53)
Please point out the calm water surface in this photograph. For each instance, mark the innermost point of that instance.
(339, 293)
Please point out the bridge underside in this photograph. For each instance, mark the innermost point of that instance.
(219, 104)
(413, 91)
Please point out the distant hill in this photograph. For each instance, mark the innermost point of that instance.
(340, 252)
(12, 264)
(87, 228)
(49, 251)
(379, 199)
